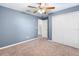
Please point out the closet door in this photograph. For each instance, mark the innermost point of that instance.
(65, 29)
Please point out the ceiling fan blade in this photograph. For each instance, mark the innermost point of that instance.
(32, 7)
(50, 7)
(34, 11)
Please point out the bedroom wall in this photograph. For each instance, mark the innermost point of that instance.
(50, 27)
(16, 26)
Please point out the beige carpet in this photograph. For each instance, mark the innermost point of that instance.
(40, 47)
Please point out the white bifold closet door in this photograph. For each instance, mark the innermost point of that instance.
(65, 29)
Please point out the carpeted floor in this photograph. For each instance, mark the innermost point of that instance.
(40, 47)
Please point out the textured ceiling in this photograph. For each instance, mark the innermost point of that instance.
(23, 7)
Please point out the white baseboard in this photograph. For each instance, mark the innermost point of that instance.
(17, 43)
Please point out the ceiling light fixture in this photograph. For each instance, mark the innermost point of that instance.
(43, 8)
(41, 11)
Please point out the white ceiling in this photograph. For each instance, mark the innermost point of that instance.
(23, 7)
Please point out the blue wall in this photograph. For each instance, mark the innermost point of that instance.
(50, 27)
(16, 26)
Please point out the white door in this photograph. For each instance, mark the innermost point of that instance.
(39, 27)
(42, 28)
(65, 29)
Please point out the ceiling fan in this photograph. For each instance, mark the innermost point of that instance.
(41, 8)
